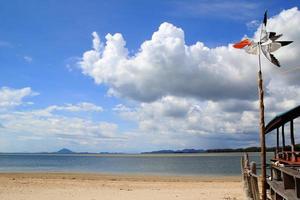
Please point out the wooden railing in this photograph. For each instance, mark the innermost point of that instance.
(288, 156)
(250, 178)
(285, 183)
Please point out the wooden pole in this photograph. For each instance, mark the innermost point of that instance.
(292, 135)
(277, 142)
(262, 128)
(283, 138)
(262, 135)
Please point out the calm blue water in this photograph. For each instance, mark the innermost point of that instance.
(205, 164)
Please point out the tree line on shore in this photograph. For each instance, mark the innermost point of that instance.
(225, 150)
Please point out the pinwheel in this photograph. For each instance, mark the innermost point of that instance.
(268, 43)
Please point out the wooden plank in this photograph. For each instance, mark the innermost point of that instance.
(254, 188)
(281, 193)
(276, 174)
(288, 181)
(291, 179)
(297, 183)
(289, 171)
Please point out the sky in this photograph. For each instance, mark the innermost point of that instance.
(133, 76)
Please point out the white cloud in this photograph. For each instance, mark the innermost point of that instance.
(191, 93)
(165, 65)
(253, 25)
(96, 42)
(71, 63)
(28, 59)
(70, 123)
(10, 97)
(79, 107)
(206, 124)
(63, 127)
(41, 126)
(185, 95)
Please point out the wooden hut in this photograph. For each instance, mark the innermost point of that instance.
(284, 182)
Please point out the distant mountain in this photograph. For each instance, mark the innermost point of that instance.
(160, 151)
(247, 149)
(191, 151)
(106, 152)
(65, 151)
(176, 151)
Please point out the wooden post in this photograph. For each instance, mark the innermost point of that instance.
(283, 139)
(246, 159)
(262, 134)
(245, 168)
(277, 143)
(254, 182)
(292, 136)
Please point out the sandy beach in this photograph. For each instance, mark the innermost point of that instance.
(62, 186)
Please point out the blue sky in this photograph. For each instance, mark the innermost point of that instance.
(41, 48)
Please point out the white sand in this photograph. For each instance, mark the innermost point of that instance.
(62, 186)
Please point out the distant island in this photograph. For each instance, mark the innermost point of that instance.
(225, 150)
(68, 151)
(182, 151)
(65, 151)
(176, 151)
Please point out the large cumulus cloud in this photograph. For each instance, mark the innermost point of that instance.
(166, 65)
(192, 93)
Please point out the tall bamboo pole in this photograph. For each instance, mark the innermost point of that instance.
(262, 130)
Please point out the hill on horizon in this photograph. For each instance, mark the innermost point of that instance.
(65, 151)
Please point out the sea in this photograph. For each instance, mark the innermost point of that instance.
(200, 164)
